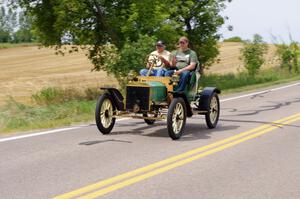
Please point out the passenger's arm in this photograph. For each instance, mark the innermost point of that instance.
(173, 62)
(187, 68)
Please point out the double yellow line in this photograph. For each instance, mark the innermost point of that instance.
(106, 186)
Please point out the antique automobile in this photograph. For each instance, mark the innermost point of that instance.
(154, 98)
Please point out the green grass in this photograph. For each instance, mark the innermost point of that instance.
(12, 45)
(53, 107)
(261, 85)
(242, 81)
(19, 117)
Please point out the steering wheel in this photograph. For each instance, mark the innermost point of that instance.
(153, 61)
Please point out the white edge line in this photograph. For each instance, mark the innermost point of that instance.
(38, 134)
(77, 127)
(260, 92)
(46, 132)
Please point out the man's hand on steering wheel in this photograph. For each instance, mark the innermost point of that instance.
(154, 60)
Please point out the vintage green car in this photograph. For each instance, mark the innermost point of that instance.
(154, 98)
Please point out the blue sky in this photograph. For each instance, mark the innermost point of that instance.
(265, 17)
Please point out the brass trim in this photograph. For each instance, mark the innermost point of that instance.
(165, 80)
(138, 85)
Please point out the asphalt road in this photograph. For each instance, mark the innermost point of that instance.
(253, 153)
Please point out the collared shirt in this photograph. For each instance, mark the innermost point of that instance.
(165, 54)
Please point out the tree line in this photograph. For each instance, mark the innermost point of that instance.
(15, 26)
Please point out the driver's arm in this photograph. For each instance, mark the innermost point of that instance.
(148, 65)
(149, 61)
(166, 62)
(187, 68)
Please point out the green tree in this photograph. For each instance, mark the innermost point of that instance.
(124, 23)
(133, 56)
(15, 26)
(234, 39)
(24, 32)
(253, 54)
(200, 19)
(8, 20)
(4, 36)
(289, 56)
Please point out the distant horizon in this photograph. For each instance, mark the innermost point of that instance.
(266, 18)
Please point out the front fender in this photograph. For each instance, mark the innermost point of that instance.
(205, 97)
(116, 96)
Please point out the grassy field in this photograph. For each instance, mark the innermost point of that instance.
(230, 62)
(26, 70)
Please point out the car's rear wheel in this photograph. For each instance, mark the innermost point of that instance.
(176, 118)
(104, 114)
(212, 117)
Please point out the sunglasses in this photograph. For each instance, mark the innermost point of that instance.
(182, 42)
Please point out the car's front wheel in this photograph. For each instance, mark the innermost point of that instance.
(176, 118)
(104, 114)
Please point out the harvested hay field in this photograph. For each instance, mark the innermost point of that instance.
(230, 58)
(26, 70)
